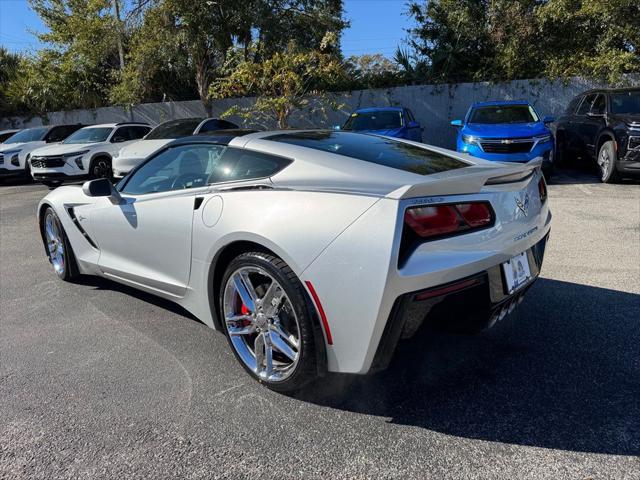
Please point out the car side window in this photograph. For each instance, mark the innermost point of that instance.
(57, 134)
(215, 124)
(239, 164)
(136, 133)
(585, 106)
(410, 116)
(121, 135)
(177, 168)
(599, 105)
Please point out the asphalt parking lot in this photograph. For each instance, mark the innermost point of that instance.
(100, 381)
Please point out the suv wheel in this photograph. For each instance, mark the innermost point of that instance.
(101, 168)
(607, 162)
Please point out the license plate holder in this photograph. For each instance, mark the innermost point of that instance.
(517, 272)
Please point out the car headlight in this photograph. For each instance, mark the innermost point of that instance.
(543, 138)
(76, 157)
(471, 140)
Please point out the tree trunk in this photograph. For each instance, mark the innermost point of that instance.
(203, 80)
(116, 14)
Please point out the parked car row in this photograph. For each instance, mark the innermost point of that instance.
(600, 124)
(59, 153)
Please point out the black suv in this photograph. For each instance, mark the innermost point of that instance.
(604, 125)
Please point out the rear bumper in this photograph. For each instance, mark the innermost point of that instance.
(471, 304)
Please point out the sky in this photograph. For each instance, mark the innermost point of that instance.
(377, 26)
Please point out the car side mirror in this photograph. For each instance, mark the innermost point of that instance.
(101, 187)
(456, 123)
(546, 120)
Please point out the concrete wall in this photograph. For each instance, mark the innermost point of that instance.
(433, 105)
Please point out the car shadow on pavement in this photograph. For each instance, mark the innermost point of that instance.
(562, 372)
(99, 283)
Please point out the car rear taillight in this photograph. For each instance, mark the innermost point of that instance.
(443, 220)
(542, 190)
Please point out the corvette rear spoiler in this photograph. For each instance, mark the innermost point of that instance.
(468, 180)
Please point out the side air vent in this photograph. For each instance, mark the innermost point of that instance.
(72, 214)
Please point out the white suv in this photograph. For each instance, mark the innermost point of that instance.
(85, 154)
(132, 155)
(15, 151)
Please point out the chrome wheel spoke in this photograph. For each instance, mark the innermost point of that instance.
(281, 345)
(246, 292)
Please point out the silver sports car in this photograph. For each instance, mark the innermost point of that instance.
(313, 251)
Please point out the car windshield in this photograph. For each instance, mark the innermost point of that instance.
(503, 114)
(28, 135)
(89, 135)
(174, 129)
(374, 149)
(625, 102)
(375, 120)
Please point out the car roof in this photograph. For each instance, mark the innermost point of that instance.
(610, 90)
(117, 124)
(378, 109)
(217, 137)
(495, 103)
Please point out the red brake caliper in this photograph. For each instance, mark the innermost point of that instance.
(245, 311)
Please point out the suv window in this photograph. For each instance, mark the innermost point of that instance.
(410, 116)
(585, 106)
(59, 133)
(599, 106)
(573, 104)
(215, 124)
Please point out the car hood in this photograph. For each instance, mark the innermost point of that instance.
(389, 132)
(505, 130)
(630, 118)
(143, 148)
(64, 149)
(7, 147)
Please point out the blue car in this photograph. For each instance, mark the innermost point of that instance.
(396, 122)
(506, 131)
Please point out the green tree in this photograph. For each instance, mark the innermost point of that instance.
(10, 64)
(176, 37)
(289, 81)
(470, 40)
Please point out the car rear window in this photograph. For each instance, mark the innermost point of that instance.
(374, 149)
(174, 129)
(374, 120)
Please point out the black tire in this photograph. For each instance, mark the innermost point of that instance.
(70, 270)
(559, 152)
(306, 370)
(101, 168)
(51, 184)
(607, 162)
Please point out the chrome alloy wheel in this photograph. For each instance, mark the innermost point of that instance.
(261, 323)
(604, 162)
(55, 243)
